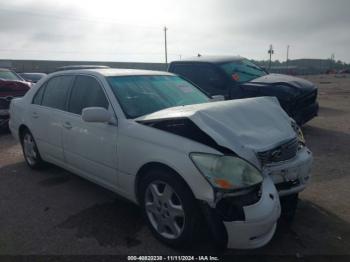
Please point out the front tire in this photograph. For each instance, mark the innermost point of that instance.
(169, 208)
(30, 151)
(289, 206)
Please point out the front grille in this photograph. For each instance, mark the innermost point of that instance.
(287, 185)
(280, 153)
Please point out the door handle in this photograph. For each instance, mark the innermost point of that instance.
(35, 115)
(67, 125)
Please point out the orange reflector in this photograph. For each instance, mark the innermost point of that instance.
(223, 183)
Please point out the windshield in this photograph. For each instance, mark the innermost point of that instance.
(8, 75)
(242, 70)
(142, 95)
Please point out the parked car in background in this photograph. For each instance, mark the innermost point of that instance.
(32, 77)
(76, 67)
(344, 71)
(11, 86)
(237, 77)
(159, 141)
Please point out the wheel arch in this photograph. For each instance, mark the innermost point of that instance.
(21, 130)
(143, 171)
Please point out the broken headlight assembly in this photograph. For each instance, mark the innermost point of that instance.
(299, 133)
(226, 172)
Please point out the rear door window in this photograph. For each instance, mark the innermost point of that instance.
(86, 92)
(39, 95)
(206, 76)
(185, 70)
(56, 92)
(210, 79)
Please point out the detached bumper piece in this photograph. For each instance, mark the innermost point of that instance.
(246, 221)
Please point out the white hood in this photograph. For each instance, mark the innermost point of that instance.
(245, 126)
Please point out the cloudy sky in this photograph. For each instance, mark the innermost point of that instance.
(132, 30)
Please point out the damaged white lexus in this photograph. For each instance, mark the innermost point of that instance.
(159, 141)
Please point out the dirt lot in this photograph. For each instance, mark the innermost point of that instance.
(55, 212)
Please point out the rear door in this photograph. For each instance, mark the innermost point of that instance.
(90, 148)
(47, 112)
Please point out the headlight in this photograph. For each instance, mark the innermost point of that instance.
(300, 136)
(226, 172)
(298, 131)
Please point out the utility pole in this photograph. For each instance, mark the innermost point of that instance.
(333, 59)
(287, 57)
(270, 52)
(166, 47)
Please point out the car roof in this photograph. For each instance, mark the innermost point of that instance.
(210, 59)
(73, 67)
(114, 72)
(43, 74)
(4, 69)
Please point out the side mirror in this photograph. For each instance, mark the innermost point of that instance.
(96, 115)
(217, 98)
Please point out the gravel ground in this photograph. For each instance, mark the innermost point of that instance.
(57, 213)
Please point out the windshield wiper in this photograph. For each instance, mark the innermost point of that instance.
(255, 67)
(243, 72)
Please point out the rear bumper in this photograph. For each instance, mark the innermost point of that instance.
(258, 226)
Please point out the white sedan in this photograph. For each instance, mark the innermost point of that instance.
(157, 140)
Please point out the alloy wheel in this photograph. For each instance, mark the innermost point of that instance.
(29, 148)
(164, 209)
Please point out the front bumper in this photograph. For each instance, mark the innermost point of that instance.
(260, 221)
(291, 176)
(305, 114)
(258, 226)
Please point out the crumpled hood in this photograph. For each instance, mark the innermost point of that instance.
(245, 126)
(292, 81)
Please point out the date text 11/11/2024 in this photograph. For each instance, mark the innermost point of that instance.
(173, 258)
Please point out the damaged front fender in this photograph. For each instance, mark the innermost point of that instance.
(245, 221)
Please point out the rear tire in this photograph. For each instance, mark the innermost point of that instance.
(4, 129)
(30, 151)
(169, 208)
(289, 206)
